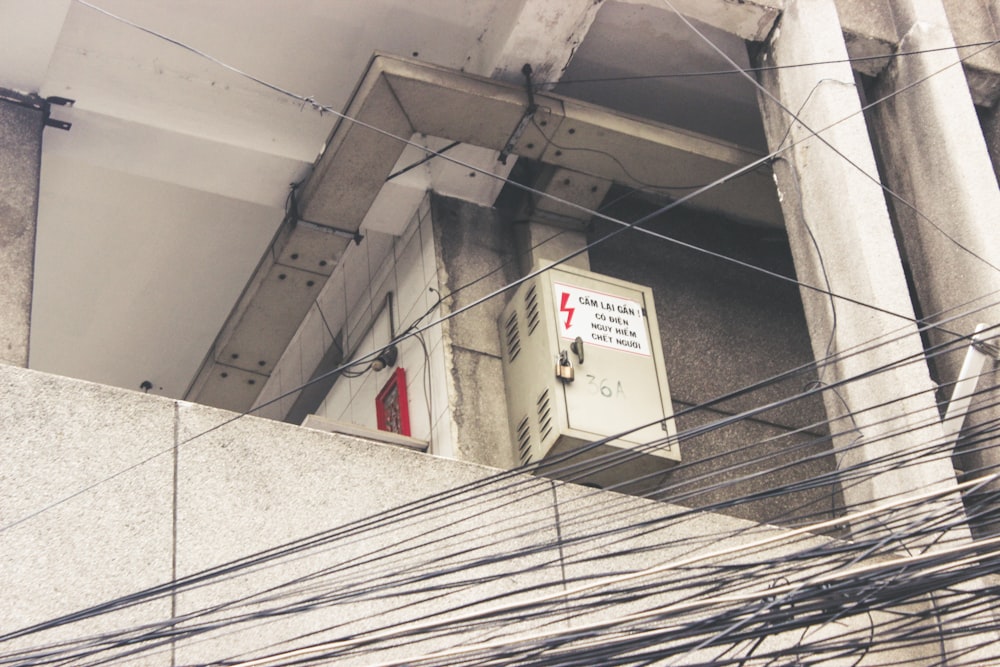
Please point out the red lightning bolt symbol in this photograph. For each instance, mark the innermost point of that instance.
(564, 309)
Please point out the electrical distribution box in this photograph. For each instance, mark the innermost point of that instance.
(582, 361)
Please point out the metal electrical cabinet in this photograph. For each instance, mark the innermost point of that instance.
(582, 361)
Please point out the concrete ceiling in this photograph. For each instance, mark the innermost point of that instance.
(158, 204)
(646, 83)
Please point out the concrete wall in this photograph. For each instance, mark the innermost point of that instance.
(277, 537)
(409, 272)
(723, 328)
(20, 166)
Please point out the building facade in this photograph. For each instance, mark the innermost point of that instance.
(807, 188)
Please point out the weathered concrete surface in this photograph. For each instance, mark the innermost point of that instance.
(61, 438)
(544, 35)
(749, 19)
(989, 119)
(238, 536)
(20, 167)
(868, 32)
(475, 248)
(233, 499)
(847, 246)
(540, 243)
(876, 27)
(948, 204)
(975, 22)
(723, 328)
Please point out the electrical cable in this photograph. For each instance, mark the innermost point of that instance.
(423, 160)
(342, 116)
(647, 572)
(818, 134)
(767, 68)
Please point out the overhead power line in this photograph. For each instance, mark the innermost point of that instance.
(636, 225)
(738, 71)
(738, 609)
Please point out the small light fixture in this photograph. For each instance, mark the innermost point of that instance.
(386, 358)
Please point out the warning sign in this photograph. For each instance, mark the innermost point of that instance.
(601, 319)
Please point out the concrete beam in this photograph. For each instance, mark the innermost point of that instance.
(21, 122)
(545, 35)
(750, 19)
(406, 97)
(28, 37)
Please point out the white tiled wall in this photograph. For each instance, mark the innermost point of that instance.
(406, 266)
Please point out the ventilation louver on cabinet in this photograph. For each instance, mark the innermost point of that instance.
(531, 308)
(544, 416)
(512, 337)
(524, 441)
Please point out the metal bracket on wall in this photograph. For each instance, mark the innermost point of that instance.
(58, 124)
(58, 101)
(39, 104)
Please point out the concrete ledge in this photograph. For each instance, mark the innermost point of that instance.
(143, 530)
(319, 423)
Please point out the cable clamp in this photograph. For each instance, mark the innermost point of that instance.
(311, 101)
(983, 342)
(990, 349)
(526, 117)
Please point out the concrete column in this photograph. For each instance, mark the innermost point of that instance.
(935, 157)
(841, 236)
(990, 120)
(475, 251)
(21, 126)
(551, 230)
(846, 243)
(538, 242)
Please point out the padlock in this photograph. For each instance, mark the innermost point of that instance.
(564, 368)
